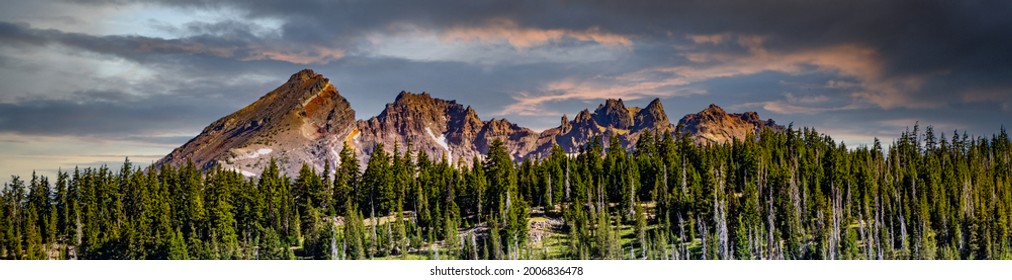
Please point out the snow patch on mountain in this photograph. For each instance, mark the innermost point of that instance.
(441, 141)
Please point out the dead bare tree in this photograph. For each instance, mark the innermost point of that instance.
(836, 219)
(703, 235)
(720, 217)
(551, 203)
(681, 237)
(567, 180)
(684, 180)
(770, 222)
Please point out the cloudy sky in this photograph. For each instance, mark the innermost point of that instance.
(88, 82)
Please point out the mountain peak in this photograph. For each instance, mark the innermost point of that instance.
(750, 116)
(655, 105)
(410, 105)
(713, 108)
(294, 122)
(303, 75)
(407, 97)
(582, 116)
(713, 125)
(612, 104)
(613, 113)
(470, 112)
(652, 117)
(611, 119)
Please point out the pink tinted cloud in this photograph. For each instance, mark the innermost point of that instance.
(848, 60)
(781, 107)
(629, 86)
(860, 63)
(709, 38)
(1002, 96)
(311, 55)
(520, 37)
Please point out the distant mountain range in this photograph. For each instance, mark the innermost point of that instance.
(307, 120)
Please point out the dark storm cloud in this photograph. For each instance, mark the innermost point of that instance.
(957, 45)
(953, 53)
(913, 36)
(917, 35)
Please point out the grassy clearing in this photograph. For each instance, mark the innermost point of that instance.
(547, 240)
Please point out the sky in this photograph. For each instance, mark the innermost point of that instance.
(91, 82)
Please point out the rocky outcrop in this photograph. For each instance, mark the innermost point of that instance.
(441, 128)
(614, 114)
(651, 117)
(611, 119)
(713, 125)
(519, 141)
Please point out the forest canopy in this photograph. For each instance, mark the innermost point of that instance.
(793, 194)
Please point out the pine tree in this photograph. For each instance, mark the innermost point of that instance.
(375, 181)
(346, 179)
(354, 233)
(641, 227)
(177, 247)
(271, 247)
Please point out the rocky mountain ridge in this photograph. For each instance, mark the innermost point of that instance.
(307, 120)
(611, 119)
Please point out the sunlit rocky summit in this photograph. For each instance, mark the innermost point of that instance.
(303, 120)
(306, 120)
(713, 125)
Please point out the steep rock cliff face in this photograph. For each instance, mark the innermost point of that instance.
(300, 121)
(441, 128)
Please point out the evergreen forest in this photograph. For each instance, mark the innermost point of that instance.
(793, 194)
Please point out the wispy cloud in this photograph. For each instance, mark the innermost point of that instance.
(807, 104)
(805, 99)
(709, 38)
(1000, 96)
(847, 60)
(901, 124)
(629, 86)
(140, 47)
(851, 61)
(304, 55)
(494, 42)
(780, 107)
(855, 61)
(520, 37)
